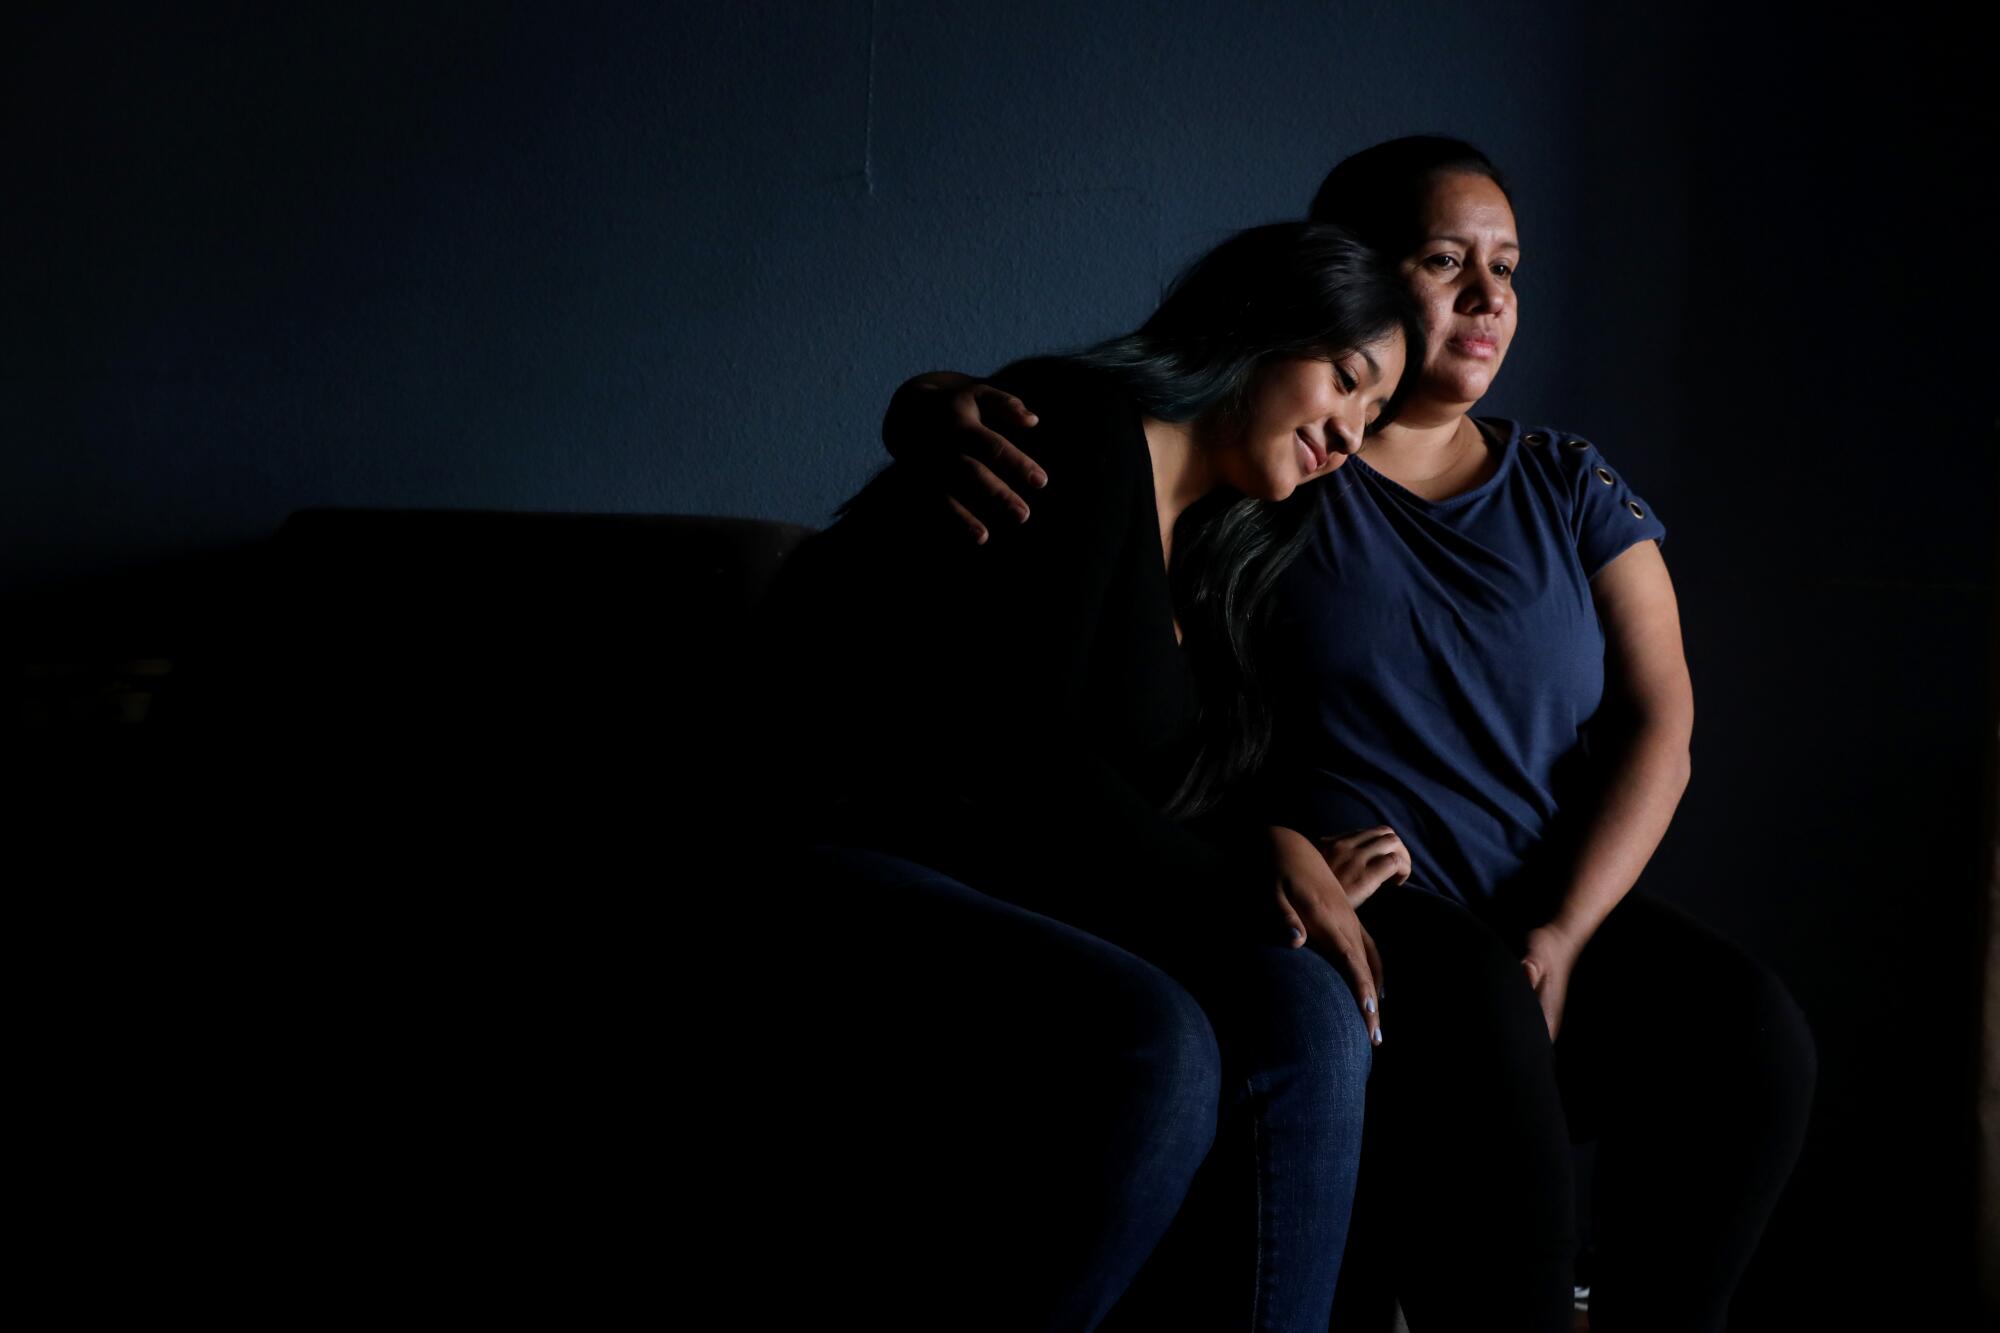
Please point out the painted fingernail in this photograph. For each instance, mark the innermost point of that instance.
(1369, 1004)
(1298, 934)
(1378, 1036)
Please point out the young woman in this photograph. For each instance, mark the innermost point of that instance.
(1007, 922)
(1480, 649)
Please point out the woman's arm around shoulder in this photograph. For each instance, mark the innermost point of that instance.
(965, 436)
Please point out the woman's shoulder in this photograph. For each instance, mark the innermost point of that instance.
(1564, 456)
(1060, 375)
(1573, 447)
(1076, 395)
(1606, 514)
(1088, 422)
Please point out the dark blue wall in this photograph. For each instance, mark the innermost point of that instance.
(673, 258)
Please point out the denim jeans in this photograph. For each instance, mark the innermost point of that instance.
(1020, 1108)
(1259, 1243)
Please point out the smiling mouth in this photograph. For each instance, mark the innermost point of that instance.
(1315, 453)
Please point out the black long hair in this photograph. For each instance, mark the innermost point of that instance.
(1290, 289)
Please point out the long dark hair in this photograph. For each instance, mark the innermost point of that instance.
(1290, 289)
(1377, 194)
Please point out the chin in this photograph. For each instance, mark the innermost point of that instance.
(1467, 388)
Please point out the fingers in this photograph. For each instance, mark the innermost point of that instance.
(1361, 954)
(1387, 865)
(1375, 966)
(973, 527)
(1001, 409)
(1360, 873)
(1017, 467)
(1356, 840)
(1380, 853)
(1347, 952)
(1398, 859)
(1548, 994)
(973, 484)
(1288, 919)
(985, 412)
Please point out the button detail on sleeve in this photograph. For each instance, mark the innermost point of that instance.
(1604, 475)
(1578, 445)
(1637, 512)
(1535, 438)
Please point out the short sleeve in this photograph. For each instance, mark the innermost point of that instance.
(1608, 517)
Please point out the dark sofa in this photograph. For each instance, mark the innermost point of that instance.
(386, 946)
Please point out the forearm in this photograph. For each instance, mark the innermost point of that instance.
(1640, 786)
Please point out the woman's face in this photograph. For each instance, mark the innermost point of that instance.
(1306, 415)
(1463, 278)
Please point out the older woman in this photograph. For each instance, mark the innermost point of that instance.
(1481, 651)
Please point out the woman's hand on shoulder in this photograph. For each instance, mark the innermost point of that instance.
(1366, 859)
(949, 427)
(1314, 905)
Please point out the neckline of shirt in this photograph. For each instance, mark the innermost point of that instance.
(1509, 448)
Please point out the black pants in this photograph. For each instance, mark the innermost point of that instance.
(1688, 1063)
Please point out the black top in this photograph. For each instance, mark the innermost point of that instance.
(1012, 714)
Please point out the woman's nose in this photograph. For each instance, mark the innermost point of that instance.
(1484, 294)
(1348, 429)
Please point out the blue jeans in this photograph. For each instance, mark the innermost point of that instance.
(1028, 1106)
(1259, 1243)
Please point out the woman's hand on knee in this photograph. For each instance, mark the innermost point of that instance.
(1314, 906)
(1366, 859)
(1548, 959)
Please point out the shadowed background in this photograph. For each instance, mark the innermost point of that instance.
(674, 258)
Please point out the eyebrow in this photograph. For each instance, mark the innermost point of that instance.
(1508, 244)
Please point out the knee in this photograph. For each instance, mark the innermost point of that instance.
(1453, 976)
(1336, 1038)
(1173, 1054)
(1775, 1041)
(1297, 1021)
(1154, 1066)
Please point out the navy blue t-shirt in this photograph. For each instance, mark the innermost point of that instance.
(1435, 662)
